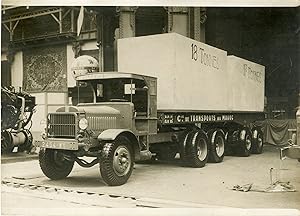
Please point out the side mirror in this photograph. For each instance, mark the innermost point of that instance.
(99, 90)
(129, 89)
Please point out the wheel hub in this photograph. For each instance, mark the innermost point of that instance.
(121, 161)
(201, 150)
(259, 142)
(248, 142)
(220, 146)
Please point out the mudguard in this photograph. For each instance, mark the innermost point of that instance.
(111, 135)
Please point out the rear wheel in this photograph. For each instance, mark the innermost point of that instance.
(116, 162)
(54, 164)
(183, 143)
(196, 149)
(216, 146)
(245, 142)
(257, 141)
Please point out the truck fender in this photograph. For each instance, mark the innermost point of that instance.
(112, 134)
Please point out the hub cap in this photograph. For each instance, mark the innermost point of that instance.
(121, 161)
(259, 142)
(201, 149)
(248, 142)
(220, 146)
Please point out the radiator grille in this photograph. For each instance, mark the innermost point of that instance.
(101, 123)
(62, 125)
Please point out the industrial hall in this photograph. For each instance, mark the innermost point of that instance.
(116, 106)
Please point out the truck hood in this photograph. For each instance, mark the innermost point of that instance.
(90, 110)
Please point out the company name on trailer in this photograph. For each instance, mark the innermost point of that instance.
(195, 118)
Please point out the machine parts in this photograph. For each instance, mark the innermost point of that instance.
(17, 108)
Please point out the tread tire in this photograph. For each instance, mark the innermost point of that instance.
(213, 136)
(51, 168)
(195, 140)
(108, 173)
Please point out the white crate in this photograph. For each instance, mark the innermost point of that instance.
(248, 83)
(192, 76)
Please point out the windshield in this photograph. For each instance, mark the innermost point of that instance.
(110, 90)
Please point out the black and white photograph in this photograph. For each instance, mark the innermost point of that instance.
(150, 108)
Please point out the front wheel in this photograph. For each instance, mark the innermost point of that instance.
(116, 161)
(54, 164)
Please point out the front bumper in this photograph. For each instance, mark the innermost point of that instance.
(57, 144)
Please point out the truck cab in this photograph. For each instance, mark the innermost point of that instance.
(111, 118)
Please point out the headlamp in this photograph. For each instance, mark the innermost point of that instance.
(83, 124)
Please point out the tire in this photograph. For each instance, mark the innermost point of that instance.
(54, 165)
(6, 142)
(216, 146)
(229, 150)
(196, 149)
(245, 142)
(182, 145)
(257, 141)
(116, 161)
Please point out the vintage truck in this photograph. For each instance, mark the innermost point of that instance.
(182, 97)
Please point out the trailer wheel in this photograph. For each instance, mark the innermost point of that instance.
(183, 143)
(245, 142)
(257, 141)
(116, 161)
(216, 146)
(229, 150)
(197, 149)
(54, 165)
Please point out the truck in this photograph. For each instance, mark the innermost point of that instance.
(171, 96)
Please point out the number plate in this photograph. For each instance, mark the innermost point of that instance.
(61, 144)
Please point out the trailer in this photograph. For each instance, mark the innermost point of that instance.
(173, 95)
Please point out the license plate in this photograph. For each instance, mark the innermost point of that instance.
(56, 144)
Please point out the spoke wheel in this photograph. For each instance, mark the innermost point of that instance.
(116, 161)
(54, 164)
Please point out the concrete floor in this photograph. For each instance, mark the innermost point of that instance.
(210, 186)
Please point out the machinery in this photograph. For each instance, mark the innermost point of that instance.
(163, 108)
(17, 108)
(293, 149)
